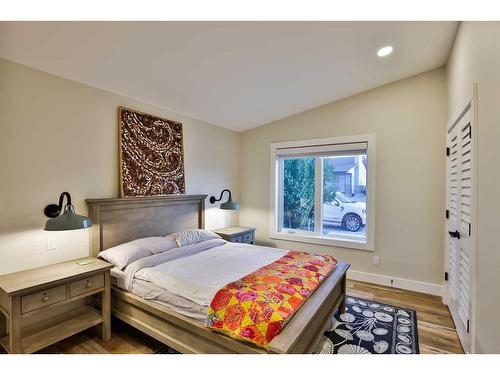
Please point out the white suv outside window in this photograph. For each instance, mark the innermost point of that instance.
(344, 211)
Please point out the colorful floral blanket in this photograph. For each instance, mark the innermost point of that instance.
(257, 307)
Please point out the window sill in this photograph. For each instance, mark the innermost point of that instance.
(323, 240)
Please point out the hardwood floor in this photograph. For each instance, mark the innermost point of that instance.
(435, 327)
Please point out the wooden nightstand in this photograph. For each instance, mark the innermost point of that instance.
(44, 305)
(237, 234)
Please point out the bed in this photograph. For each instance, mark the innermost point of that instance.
(119, 220)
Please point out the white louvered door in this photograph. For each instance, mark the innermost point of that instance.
(460, 190)
(453, 199)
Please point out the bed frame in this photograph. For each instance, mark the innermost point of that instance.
(118, 220)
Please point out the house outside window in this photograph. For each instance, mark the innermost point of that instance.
(322, 191)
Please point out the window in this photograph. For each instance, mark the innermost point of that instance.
(323, 191)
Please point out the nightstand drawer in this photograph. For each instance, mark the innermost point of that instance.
(86, 285)
(44, 298)
(236, 239)
(248, 237)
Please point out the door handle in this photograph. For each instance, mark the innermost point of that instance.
(455, 234)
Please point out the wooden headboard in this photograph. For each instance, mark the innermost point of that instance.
(119, 220)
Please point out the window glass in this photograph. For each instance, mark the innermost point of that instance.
(344, 196)
(298, 193)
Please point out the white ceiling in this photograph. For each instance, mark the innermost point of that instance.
(238, 75)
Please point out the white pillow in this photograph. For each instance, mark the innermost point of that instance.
(122, 255)
(155, 244)
(192, 236)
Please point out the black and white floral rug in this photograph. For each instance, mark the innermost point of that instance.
(366, 327)
(369, 327)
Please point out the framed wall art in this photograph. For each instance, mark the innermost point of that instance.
(151, 155)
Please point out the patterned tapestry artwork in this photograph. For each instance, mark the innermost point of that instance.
(151, 155)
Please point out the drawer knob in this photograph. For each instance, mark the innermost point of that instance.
(89, 283)
(45, 297)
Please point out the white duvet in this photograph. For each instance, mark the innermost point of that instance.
(197, 272)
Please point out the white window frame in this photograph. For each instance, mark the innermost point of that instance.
(315, 238)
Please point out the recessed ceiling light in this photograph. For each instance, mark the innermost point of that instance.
(385, 51)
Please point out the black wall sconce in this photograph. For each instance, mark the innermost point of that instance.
(227, 205)
(68, 220)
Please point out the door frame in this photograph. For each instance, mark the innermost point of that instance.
(471, 105)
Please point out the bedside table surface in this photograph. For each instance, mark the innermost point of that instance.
(235, 229)
(18, 282)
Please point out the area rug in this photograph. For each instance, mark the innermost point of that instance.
(369, 327)
(366, 327)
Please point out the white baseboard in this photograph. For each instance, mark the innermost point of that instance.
(416, 286)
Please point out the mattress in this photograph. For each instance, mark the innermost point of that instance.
(152, 292)
(118, 277)
(186, 279)
(179, 304)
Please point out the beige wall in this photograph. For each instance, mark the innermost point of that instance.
(475, 58)
(408, 118)
(58, 135)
